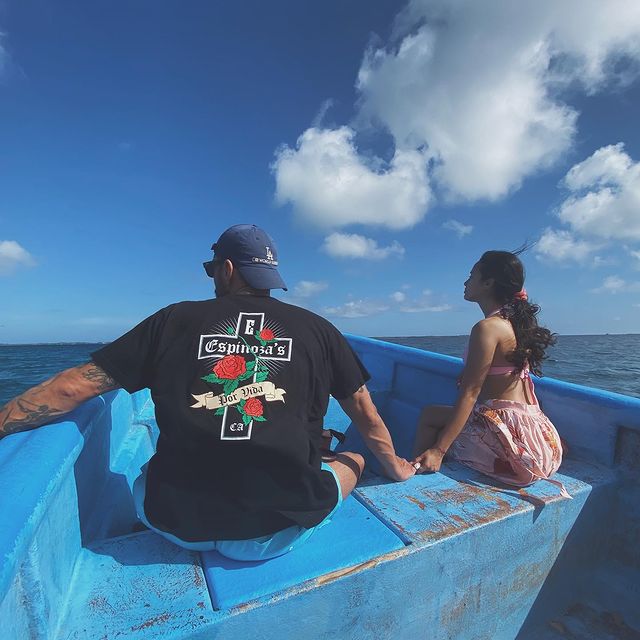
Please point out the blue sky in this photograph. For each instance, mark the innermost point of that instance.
(383, 145)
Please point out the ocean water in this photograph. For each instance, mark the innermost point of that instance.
(22, 366)
(610, 362)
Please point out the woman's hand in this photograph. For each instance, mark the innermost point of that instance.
(428, 461)
(399, 469)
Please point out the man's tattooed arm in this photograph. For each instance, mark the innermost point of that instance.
(99, 377)
(54, 398)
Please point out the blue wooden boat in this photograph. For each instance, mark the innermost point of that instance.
(451, 555)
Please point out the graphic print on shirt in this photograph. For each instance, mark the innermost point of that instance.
(240, 357)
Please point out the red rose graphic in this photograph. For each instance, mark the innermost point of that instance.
(253, 407)
(230, 367)
(267, 334)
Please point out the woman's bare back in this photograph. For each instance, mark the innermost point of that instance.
(503, 386)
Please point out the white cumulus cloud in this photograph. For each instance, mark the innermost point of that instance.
(421, 307)
(458, 228)
(471, 94)
(616, 284)
(605, 198)
(562, 246)
(600, 261)
(356, 309)
(418, 304)
(13, 255)
(422, 303)
(330, 185)
(474, 83)
(308, 288)
(352, 245)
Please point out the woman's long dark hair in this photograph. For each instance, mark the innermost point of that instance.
(532, 341)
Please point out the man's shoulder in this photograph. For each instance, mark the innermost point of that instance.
(186, 306)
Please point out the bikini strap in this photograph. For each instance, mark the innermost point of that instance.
(525, 376)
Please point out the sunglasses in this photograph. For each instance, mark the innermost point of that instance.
(210, 266)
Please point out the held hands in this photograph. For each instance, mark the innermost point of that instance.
(428, 461)
(399, 469)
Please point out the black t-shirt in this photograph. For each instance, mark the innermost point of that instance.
(240, 385)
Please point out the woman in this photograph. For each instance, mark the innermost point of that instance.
(496, 425)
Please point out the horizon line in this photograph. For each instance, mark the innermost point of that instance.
(459, 335)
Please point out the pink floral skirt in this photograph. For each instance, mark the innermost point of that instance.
(510, 441)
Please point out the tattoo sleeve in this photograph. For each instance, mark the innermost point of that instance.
(32, 409)
(54, 398)
(97, 375)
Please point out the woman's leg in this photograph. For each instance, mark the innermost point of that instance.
(432, 418)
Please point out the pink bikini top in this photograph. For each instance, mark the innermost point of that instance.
(501, 370)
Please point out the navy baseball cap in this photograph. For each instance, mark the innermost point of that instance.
(253, 253)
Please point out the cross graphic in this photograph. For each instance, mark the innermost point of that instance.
(242, 342)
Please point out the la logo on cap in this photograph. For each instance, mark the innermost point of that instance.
(269, 254)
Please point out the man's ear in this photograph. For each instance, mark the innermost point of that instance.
(228, 270)
(488, 283)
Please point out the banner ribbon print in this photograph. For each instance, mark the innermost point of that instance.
(212, 400)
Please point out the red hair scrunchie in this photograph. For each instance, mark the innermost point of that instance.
(521, 295)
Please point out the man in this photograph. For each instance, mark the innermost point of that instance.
(240, 384)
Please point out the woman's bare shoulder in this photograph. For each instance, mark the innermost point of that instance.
(494, 327)
(492, 323)
(502, 332)
(486, 331)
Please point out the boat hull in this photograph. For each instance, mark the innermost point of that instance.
(447, 555)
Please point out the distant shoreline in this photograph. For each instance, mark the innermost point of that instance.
(48, 344)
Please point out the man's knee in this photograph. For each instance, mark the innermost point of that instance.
(348, 467)
(354, 461)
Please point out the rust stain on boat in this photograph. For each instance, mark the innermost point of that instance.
(532, 576)
(152, 622)
(197, 575)
(339, 573)
(452, 524)
(469, 600)
(245, 606)
(99, 603)
(421, 505)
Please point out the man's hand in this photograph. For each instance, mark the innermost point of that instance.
(429, 461)
(54, 398)
(400, 470)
